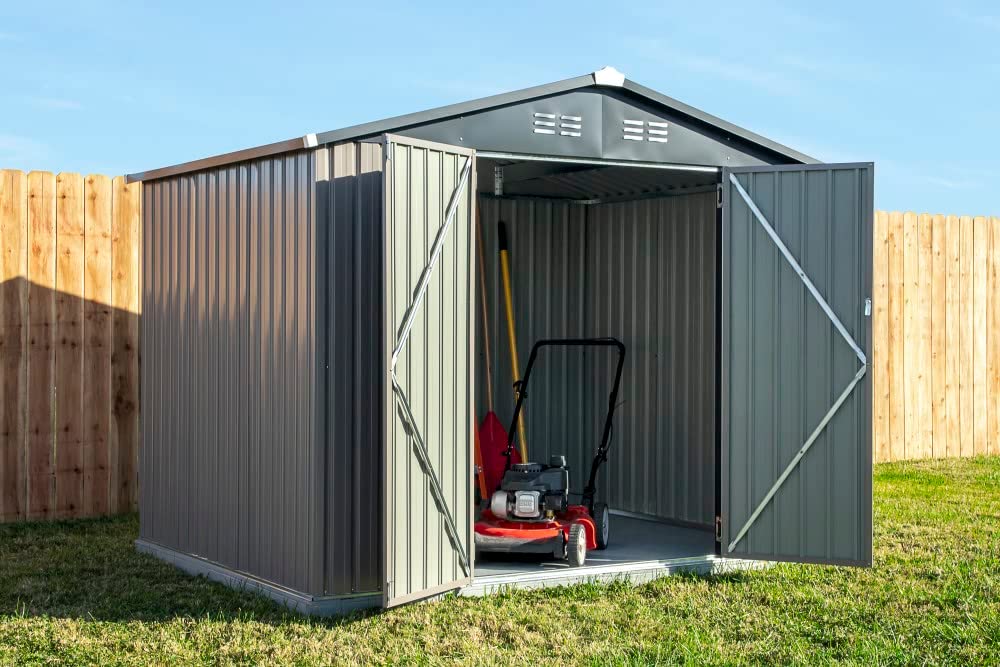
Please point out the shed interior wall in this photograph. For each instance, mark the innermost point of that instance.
(643, 271)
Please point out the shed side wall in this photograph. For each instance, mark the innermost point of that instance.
(350, 187)
(233, 401)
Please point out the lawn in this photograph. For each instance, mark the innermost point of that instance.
(78, 593)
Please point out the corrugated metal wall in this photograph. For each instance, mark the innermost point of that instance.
(350, 187)
(434, 371)
(233, 405)
(651, 281)
(641, 271)
(547, 249)
(241, 423)
(785, 364)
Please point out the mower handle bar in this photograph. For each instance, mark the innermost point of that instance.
(520, 390)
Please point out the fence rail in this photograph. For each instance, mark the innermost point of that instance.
(69, 352)
(936, 336)
(69, 329)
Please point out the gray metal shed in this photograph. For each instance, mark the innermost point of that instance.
(312, 346)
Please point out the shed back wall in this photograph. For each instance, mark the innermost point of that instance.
(644, 272)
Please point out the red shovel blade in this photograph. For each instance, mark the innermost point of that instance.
(493, 444)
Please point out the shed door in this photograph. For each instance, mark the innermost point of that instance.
(429, 199)
(796, 437)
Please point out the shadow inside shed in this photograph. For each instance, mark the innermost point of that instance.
(628, 252)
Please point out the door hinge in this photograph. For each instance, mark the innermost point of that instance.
(387, 152)
(718, 190)
(718, 529)
(868, 307)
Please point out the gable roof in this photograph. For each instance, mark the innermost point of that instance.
(607, 77)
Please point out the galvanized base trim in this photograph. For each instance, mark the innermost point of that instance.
(633, 573)
(294, 600)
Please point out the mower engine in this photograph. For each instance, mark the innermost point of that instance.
(532, 492)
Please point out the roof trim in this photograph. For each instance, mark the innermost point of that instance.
(225, 158)
(723, 125)
(606, 77)
(472, 106)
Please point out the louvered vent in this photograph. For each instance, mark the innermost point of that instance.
(641, 130)
(557, 124)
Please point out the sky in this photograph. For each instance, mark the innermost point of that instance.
(120, 87)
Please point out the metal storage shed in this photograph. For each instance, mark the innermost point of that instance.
(311, 347)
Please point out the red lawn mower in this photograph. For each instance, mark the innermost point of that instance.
(530, 511)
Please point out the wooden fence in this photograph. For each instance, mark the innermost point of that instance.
(69, 333)
(936, 341)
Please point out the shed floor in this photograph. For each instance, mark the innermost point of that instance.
(640, 550)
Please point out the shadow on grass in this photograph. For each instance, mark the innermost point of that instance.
(89, 570)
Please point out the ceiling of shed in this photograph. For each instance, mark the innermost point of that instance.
(587, 182)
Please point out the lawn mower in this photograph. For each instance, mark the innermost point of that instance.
(530, 511)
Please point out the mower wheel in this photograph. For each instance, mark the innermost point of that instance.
(576, 547)
(602, 525)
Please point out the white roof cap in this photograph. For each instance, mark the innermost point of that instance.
(609, 76)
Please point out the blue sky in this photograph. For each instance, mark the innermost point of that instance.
(116, 87)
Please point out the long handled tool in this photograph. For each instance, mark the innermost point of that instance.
(492, 434)
(490, 416)
(480, 471)
(522, 437)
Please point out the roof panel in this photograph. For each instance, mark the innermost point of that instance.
(453, 122)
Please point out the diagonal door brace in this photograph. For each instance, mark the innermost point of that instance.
(402, 336)
(840, 328)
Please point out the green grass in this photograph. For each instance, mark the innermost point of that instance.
(78, 593)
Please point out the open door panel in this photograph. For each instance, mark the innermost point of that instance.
(795, 421)
(428, 301)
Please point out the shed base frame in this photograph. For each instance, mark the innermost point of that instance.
(293, 600)
(635, 572)
(641, 549)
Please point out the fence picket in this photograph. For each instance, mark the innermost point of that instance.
(13, 343)
(125, 336)
(882, 445)
(97, 346)
(41, 343)
(941, 406)
(993, 338)
(69, 346)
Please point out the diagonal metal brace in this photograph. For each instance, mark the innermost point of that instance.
(425, 276)
(403, 335)
(762, 219)
(798, 269)
(424, 459)
(799, 456)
